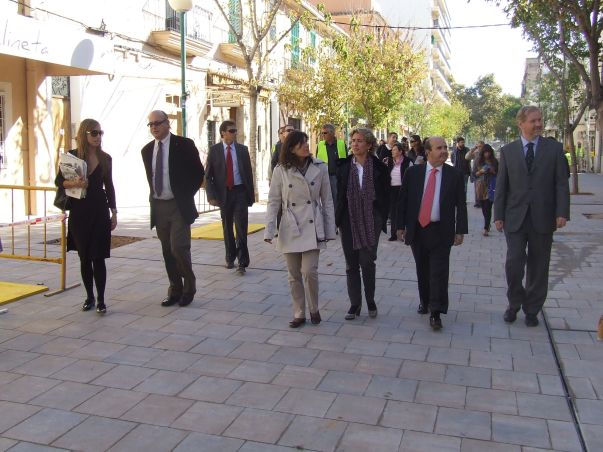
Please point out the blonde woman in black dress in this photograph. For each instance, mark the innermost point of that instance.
(89, 222)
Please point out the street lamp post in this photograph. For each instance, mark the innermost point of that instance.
(182, 6)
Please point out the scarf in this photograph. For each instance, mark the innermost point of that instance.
(360, 205)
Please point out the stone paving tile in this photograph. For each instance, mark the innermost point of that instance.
(157, 410)
(145, 438)
(30, 447)
(215, 346)
(214, 366)
(259, 425)
(210, 418)
(376, 365)
(351, 408)
(199, 442)
(520, 430)
(536, 364)
(515, 381)
(132, 355)
(211, 389)
(124, 377)
(407, 351)
(166, 382)
(9, 359)
(564, 436)
(61, 346)
(422, 370)
(310, 433)
(14, 413)
(251, 446)
(26, 388)
(366, 347)
(543, 406)
(300, 377)
(257, 395)
(448, 356)
(96, 351)
(289, 339)
(441, 394)
(593, 437)
(328, 343)
(475, 445)
(296, 356)
(463, 423)
(259, 372)
(94, 434)
(426, 442)
(328, 360)
(7, 377)
(173, 360)
(491, 360)
(359, 438)
(345, 382)
(409, 416)
(252, 334)
(392, 388)
(356, 331)
(468, 376)
(590, 411)
(491, 400)
(254, 351)
(83, 371)
(26, 341)
(44, 365)
(45, 426)
(306, 402)
(6, 443)
(111, 403)
(551, 385)
(66, 395)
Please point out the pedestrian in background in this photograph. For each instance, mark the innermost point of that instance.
(416, 149)
(486, 167)
(330, 150)
(89, 224)
(301, 187)
(363, 184)
(531, 201)
(230, 186)
(175, 174)
(471, 156)
(457, 157)
(397, 165)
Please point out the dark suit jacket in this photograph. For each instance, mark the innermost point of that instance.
(186, 175)
(453, 206)
(381, 180)
(545, 190)
(216, 173)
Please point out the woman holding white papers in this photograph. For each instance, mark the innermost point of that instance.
(89, 223)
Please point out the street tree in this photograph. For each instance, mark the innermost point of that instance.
(483, 99)
(446, 120)
(249, 23)
(506, 122)
(559, 26)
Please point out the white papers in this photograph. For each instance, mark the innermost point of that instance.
(72, 167)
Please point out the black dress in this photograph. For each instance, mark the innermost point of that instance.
(89, 224)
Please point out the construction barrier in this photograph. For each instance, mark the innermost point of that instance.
(10, 250)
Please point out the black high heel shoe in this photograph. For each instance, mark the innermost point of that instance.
(88, 304)
(353, 312)
(101, 308)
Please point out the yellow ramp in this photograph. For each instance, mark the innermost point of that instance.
(213, 231)
(12, 291)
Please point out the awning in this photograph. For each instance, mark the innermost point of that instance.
(68, 52)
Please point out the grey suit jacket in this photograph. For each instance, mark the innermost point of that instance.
(215, 175)
(544, 191)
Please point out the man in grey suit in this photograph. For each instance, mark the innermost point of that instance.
(531, 201)
(229, 185)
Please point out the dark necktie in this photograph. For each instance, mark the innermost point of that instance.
(530, 156)
(159, 169)
(229, 169)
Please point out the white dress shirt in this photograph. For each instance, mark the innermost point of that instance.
(360, 170)
(167, 188)
(435, 208)
(525, 142)
(235, 165)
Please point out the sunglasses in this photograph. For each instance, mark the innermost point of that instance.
(156, 123)
(232, 130)
(95, 133)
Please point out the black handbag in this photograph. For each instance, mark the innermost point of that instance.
(61, 200)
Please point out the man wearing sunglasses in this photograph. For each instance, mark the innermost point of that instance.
(229, 185)
(175, 174)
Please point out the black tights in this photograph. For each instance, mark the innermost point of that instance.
(487, 211)
(94, 269)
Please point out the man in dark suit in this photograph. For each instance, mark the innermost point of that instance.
(457, 157)
(432, 217)
(531, 201)
(229, 185)
(175, 174)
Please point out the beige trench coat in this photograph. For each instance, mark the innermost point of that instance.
(308, 215)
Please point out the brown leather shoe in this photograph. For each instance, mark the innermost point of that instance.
(315, 318)
(296, 323)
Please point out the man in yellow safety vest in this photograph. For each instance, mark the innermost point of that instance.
(329, 150)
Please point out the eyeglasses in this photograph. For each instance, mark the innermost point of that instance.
(232, 130)
(156, 123)
(95, 133)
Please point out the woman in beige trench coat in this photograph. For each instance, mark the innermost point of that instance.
(300, 184)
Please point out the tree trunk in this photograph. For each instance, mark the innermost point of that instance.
(253, 135)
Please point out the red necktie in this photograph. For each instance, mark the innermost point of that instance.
(229, 170)
(427, 204)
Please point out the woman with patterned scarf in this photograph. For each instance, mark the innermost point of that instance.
(361, 214)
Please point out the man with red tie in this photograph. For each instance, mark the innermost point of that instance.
(229, 185)
(432, 217)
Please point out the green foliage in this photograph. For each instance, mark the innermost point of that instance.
(446, 120)
(483, 100)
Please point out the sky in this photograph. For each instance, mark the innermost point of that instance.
(480, 51)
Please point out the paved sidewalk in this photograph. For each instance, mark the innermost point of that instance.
(227, 374)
